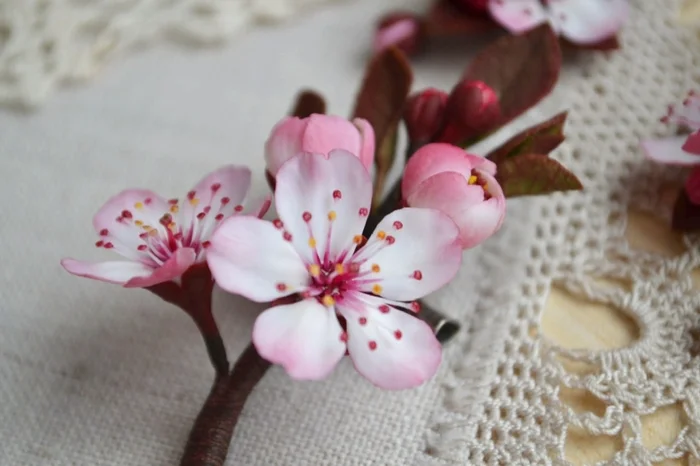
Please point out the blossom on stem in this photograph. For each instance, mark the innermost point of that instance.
(318, 134)
(424, 114)
(445, 177)
(585, 22)
(355, 292)
(472, 110)
(161, 239)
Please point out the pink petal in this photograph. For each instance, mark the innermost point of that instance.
(284, 142)
(686, 113)
(518, 15)
(325, 133)
(588, 21)
(669, 151)
(437, 158)
(118, 272)
(367, 135)
(392, 349)
(396, 33)
(250, 257)
(692, 144)
(304, 338)
(173, 268)
(422, 256)
(476, 218)
(257, 206)
(318, 189)
(123, 218)
(692, 186)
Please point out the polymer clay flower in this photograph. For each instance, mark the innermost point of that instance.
(355, 297)
(318, 134)
(445, 177)
(584, 22)
(162, 238)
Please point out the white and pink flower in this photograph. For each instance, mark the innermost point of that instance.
(585, 22)
(162, 238)
(355, 298)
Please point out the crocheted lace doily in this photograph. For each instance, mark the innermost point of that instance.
(503, 402)
(44, 43)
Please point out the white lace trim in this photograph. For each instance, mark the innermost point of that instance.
(44, 43)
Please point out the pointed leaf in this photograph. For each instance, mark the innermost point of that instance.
(534, 174)
(308, 102)
(539, 139)
(381, 101)
(446, 19)
(686, 215)
(522, 69)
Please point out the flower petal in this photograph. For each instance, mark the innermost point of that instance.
(669, 151)
(305, 338)
(284, 142)
(686, 113)
(127, 215)
(437, 158)
(249, 256)
(334, 194)
(588, 21)
(118, 272)
(422, 255)
(692, 144)
(325, 133)
(367, 134)
(392, 349)
(518, 15)
(173, 268)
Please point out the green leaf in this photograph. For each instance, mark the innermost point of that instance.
(539, 139)
(307, 103)
(380, 101)
(522, 69)
(534, 174)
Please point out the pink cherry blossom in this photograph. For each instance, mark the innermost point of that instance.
(678, 150)
(354, 298)
(162, 238)
(402, 30)
(445, 177)
(318, 134)
(585, 22)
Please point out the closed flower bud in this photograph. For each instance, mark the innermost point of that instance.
(424, 115)
(472, 110)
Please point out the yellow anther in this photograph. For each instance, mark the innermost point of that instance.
(315, 270)
(138, 223)
(194, 201)
(138, 205)
(174, 209)
(376, 289)
(375, 268)
(381, 234)
(328, 301)
(472, 179)
(339, 269)
(331, 215)
(357, 239)
(172, 226)
(312, 242)
(147, 227)
(153, 232)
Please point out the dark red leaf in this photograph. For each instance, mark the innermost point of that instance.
(534, 174)
(522, 69)
(605, 45)
(686, 215)
(446, 19)
(307, 103)
(539, 139)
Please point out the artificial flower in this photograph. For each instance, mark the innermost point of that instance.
(355, 298)
(584, 22)
(402, 30)
(318, 134)
(161, 239)
(445, 177)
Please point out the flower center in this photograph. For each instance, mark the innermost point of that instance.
(476, 179)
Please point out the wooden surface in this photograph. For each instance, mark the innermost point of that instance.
(574, 323)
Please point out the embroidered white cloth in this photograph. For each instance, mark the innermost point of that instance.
(95, 374)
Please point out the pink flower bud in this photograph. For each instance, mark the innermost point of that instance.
(424, 115)
(472, 110)
(402, 30)
(446, 178)
(319, 134)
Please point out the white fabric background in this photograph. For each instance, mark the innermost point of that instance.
(94, 374)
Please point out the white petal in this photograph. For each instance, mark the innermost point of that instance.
(338, 187)
(588, 21)
(393, 349)
(249, 256)
(118, 272)
(518, 15)
(669, 151)
(424, 254)
(305, 338)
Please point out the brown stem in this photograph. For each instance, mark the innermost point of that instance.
(213, 429)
